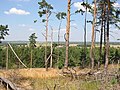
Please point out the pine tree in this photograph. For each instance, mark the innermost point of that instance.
(32, 40)
(67, 33)
(3, 32)
(45, 9)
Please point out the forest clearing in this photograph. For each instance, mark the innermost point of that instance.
(56, 79)
(60, 45)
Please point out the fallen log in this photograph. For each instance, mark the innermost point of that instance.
(8, 84)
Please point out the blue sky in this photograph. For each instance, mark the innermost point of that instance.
(20, 16)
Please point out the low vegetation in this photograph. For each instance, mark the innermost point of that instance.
(76, 56)
(56, 79)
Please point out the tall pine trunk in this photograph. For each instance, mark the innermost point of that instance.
(107, 36)
(93, 37)
(101, 38)
(67, 34)
(104, 25)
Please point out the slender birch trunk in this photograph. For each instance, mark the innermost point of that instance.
(51, 59)
(46, 38)
(59, 41)
(85, 37)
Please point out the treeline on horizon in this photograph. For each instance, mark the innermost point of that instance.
(54, 42)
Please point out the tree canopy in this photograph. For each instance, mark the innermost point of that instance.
(3, 31)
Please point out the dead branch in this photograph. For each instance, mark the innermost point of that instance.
(16, 55)
(8, 84)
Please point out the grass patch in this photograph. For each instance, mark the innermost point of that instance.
(63, 84)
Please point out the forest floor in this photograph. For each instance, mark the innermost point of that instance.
(56, 79)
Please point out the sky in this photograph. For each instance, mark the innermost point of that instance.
(19, 15)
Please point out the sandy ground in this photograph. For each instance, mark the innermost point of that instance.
(22, 76)
(42, 73)
(30, 73)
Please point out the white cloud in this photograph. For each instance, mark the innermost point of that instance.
(31, 29)
(79, 6)
(61, 30)
(17, 11)
(26, 27)
(117, 5)
(22, 25)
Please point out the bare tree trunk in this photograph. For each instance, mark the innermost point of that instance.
(107, 37)
(101, 38)
(67, 33)
(93, 37)
(46, 38)
(6, 57)
(104, 41)
(83, 64)
(104, 31)
(59, 41)
(16, 55)
(51, 59)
